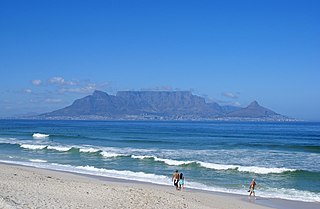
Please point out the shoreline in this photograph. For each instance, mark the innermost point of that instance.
(152, 195)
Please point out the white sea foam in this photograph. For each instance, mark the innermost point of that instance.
(121, 174)
(8, 140)
(289, 194)
(37, 160)
(40, 136)
(251, 169)
(263, 170)
(33, 146)
(110, 154)
(59, 148)
(142, 157)
(172, 162)
(215, 166)
(166, 161)
(88, 149)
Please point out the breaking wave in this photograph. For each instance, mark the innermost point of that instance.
(251, 169)
(40, 136)
(117, 152)
(33, 146)
(37, 160)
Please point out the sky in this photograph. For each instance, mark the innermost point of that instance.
(231, 52)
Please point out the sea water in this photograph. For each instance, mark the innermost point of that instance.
(284, 158)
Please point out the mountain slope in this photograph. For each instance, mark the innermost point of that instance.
(99, 103)
(156, 105)
(253, 110)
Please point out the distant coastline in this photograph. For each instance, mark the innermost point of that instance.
(101, 118)
(157, 106)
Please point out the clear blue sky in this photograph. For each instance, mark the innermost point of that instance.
(231, 52)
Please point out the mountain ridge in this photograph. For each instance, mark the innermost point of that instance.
(158, 105)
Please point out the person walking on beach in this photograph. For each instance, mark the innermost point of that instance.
(251, 189)
(181, 181)
(175, 179)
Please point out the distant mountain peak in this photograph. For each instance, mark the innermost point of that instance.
(254, 104)
(254, 110)
(98, 92)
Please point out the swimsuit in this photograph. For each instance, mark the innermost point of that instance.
(181, 181)
(175, 182)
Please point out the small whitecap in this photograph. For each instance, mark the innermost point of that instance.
(40, 136)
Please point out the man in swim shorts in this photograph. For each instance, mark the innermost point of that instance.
(175, 179)
(251, 189)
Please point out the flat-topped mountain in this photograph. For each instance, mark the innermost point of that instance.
(157, 105)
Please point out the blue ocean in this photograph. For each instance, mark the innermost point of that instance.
(284, 158)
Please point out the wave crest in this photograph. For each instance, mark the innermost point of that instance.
(33, 146)
(171, 162)
(250, 169)
(89, 149)
(40, 136)
(215, 166)
(110, 154)
(59, 148)
(37, 160)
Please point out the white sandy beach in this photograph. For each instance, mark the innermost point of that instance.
(25, 187)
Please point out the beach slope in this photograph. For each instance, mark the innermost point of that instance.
(25, 187)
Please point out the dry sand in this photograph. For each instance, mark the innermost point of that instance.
(25, 187)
